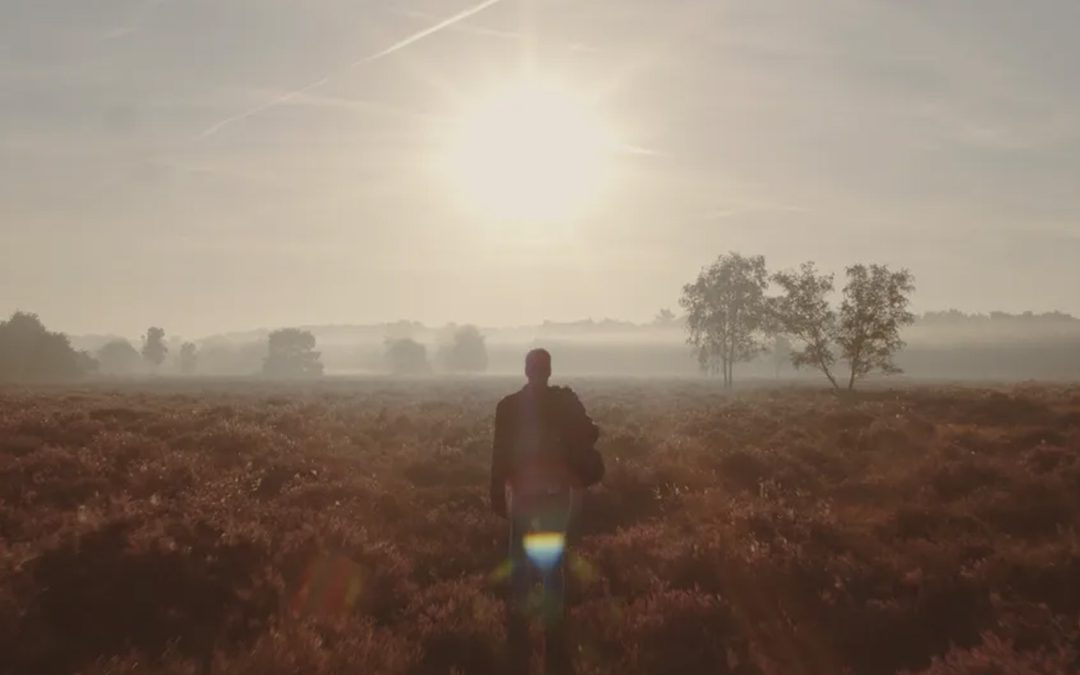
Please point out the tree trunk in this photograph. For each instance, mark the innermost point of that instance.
(832, 379)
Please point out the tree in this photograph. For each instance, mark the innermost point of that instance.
(188, 358)
(803, 313)
(466, 352)
(291, 353)
(665, 317)
(28, 351)
(118, 357)
(405, 356)
(154, 348)
(727, 313)
(874, 308)
(87, 364)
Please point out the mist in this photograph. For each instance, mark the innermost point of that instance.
(941, 137)
(941, 346)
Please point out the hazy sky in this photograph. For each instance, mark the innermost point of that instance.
(940, 135)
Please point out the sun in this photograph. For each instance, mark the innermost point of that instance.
(531, 152)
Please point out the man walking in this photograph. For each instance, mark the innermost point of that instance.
(543, 456)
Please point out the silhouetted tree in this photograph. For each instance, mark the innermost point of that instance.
(188, 358)
(727, 313)
(803, 312)
(118, 357)
(405, 356)
(874, 308)
(154, 348)
(30, 352)
(665, 317)
(87, 364)
(466, 352)
(291, 353)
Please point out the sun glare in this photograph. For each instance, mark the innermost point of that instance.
(530, 153)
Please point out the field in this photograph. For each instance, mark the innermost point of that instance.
(343, 528)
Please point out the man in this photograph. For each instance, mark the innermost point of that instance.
(543, 456)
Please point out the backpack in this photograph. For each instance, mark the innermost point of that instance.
(580, 435)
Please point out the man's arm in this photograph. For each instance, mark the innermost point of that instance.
(500, 460)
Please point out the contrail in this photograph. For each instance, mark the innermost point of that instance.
(397, 46)
(460, 16)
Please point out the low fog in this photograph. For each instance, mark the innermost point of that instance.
(947, 345)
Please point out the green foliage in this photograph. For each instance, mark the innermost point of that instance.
(291, 353)
(727, 313)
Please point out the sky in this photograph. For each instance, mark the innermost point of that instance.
(136, 189)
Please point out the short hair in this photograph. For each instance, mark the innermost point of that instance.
(538, 364)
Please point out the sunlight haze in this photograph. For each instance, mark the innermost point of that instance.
(211, 166)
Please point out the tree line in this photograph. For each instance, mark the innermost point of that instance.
(29, 352)
(731, 318)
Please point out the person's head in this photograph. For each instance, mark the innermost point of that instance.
(538, 366)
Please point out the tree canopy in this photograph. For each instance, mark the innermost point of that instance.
(291, 353)
(28, 351)
(154, 348)
(466, 352)
(874, 308)
(727, 314)
(864, 333)
(118, 357)
(405, 356)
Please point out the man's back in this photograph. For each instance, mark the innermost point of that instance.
(539, 434)
(543, 452)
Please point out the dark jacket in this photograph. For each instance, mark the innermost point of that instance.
(544, 440)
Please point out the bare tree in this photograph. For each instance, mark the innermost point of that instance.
(727, 313)
(874, 308)
(188, 358)
(803, 313)
(154, 348)
(291, 353)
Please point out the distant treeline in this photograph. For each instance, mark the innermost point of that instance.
(948, 344)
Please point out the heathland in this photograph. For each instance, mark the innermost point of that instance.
(342, 527)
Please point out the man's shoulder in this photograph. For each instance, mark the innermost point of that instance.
(508, 401)
(563, 393)
(556, 393)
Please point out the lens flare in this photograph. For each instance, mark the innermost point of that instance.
(545, 548)
(330, 586)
